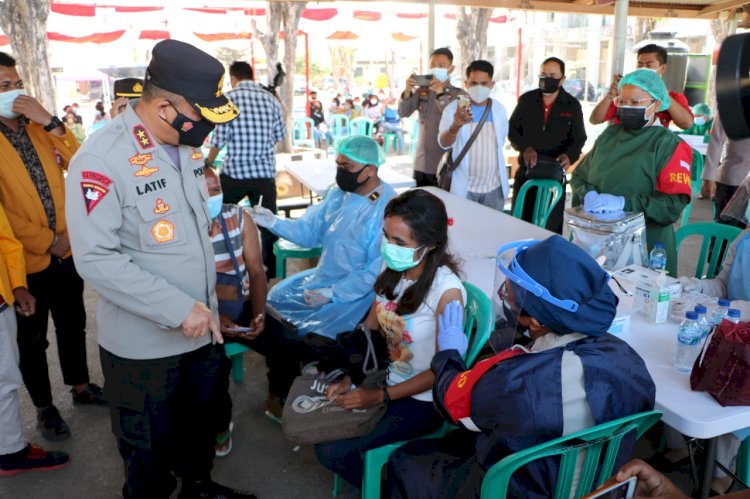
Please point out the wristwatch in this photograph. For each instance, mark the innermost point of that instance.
(54, 123)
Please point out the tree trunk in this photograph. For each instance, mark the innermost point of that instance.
(342, 62)
(471, 31)
(25, 24)
(643, 26)
(292, 14)
(270, 38)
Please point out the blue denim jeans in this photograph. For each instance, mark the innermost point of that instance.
(493, 199)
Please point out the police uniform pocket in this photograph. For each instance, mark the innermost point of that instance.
(160, 221)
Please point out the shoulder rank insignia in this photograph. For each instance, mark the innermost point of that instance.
(142, 136)
(161, 207)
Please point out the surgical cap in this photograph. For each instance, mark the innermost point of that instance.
(362, 149)
(702, 109)
(568, 273)
(648, 81)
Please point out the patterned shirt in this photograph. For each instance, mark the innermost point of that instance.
(250, 138)
(21, 142)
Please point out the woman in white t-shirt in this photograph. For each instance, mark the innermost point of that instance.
(420, 278)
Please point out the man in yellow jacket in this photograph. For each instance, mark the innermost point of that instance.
(16, 455)
(33, 147)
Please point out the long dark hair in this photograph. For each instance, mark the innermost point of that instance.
(425, 215)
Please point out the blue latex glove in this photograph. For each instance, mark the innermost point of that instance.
(605, 203)
(451, 329)
(588, 199)
(317, 297)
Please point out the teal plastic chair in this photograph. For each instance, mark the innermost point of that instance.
(477, 312)
(234, 351)
(414, 137)
(605, 439)
(302, 132)
(696, 170)
(548, 192)
(718, 235)
(362, 126)
(389, 141)
(743, 461)
(341, 128)
(284, 249)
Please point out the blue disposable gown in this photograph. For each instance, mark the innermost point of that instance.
(738, 285)
(349, 227)
(518, 404)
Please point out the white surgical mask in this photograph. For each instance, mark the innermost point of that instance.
(700, 121)
(6, 102)
(653, 70)
(479, 93)
(440, 73)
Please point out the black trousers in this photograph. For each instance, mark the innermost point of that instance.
(163, 417)
(425, 179)
(723, 194)
(58, 289)
(555, 220)
(236, 189)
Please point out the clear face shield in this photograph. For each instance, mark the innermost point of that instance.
(513, 286)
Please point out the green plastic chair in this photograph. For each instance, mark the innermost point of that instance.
(234, 351)
(720, 235)
(302, 132)
(389, 141)
(604, 438)
(341, 129)
(547, 194)
(284, 249)
(478, 311)
(362, 126)
(414, 137)
(743, 461)
(696, 170)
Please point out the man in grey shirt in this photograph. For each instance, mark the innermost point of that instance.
(138, 224)
(430, 102)
(721, 176)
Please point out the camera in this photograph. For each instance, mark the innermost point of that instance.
(733, 86)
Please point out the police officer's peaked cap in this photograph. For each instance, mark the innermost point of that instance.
(128, 87)
(180, 68)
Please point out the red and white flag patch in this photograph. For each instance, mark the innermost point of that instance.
(94, 187)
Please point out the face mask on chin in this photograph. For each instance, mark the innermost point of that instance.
(6, 103)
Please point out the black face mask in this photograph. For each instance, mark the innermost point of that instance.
(347, 181)
(192, 133)
(549, 85)
(632, 118)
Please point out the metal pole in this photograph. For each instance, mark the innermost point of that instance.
(621, 32)
(307, 65)
(431, 27)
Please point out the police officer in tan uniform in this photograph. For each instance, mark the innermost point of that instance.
(139, 231)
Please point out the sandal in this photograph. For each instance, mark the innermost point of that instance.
(224, 442)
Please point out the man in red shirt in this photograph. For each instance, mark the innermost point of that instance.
(654, 58)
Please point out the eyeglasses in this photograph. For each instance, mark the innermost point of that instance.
(633, 101)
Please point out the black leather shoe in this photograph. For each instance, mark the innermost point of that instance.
(207, 489)
(92, 395)
(51, 424)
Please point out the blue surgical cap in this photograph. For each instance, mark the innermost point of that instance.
(361, 149)
(568, 273)
(648, 81)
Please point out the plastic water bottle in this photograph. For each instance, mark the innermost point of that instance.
(688, 343)
(657, 259)
(733, 315)
(703, 326)
(720, 312)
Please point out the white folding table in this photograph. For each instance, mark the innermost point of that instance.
(476, 234)
(318, 175)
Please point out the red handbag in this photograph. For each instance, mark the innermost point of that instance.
(723, 366)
